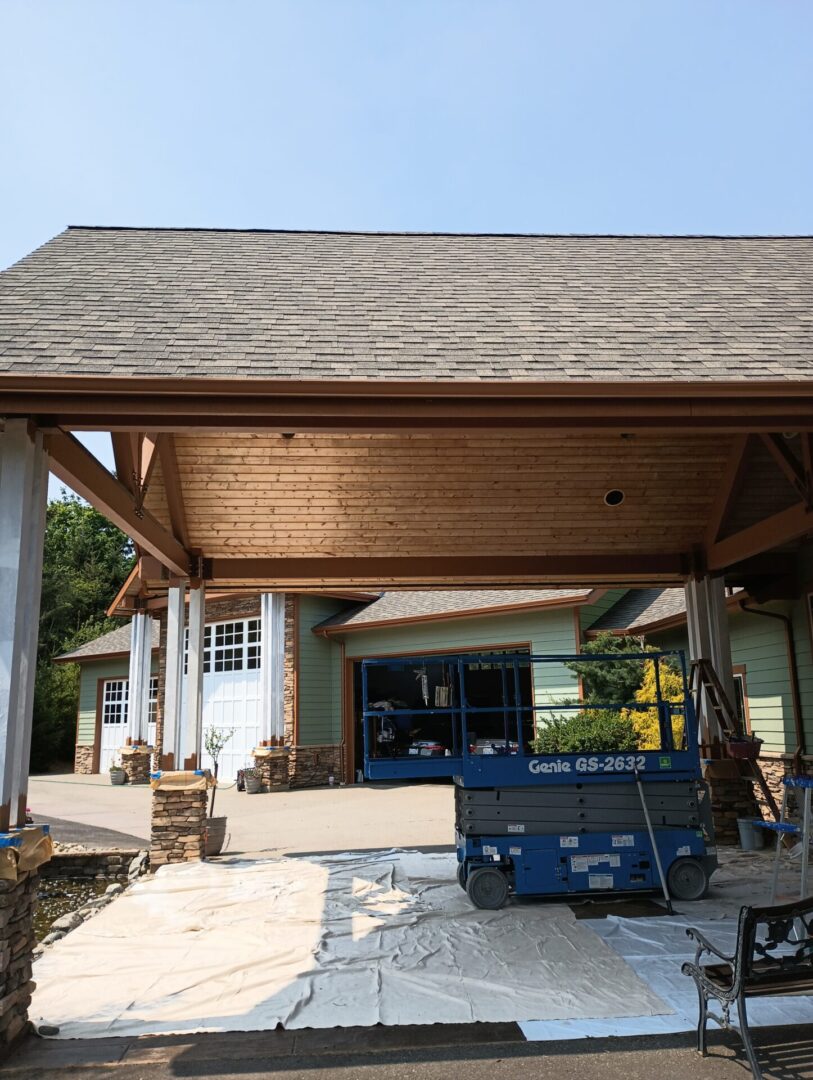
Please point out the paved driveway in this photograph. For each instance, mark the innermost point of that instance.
(354, 818)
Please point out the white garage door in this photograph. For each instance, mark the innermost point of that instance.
(231, 691)
(114, 719)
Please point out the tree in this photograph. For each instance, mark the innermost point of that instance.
(85, 563)
(614, 681)
(645, 721)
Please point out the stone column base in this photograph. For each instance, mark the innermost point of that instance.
(312, 766)
(18, 901)
(178, 818)
(732, 796)
(136, 762)
(273, 765)
(83, 760)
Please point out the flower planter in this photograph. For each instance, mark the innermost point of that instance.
(118, 776)
(744, 749)
(215, 834)
(254, 785)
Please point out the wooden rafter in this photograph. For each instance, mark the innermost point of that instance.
(78, 468)
(795, 472)
(730, 485)
(123, 457)
(173, 489)
(781, 528)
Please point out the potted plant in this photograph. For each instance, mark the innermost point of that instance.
(117, 774)
(214, 740)
(253, 779)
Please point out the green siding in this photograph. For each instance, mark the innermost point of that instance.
(588, 613)
(319, 675)
(546, 631)
(91, 672)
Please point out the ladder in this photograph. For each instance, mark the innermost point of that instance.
(705, 680)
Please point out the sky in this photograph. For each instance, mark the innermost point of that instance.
(597, 116)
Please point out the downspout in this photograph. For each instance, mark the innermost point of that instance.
(796, 698)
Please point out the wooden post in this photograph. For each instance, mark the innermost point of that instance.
(272, 667)
(707, 621)
(194, 678)
(173, 678)
(138, 691)
(23, 487)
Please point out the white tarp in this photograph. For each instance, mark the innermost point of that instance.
(325, 942)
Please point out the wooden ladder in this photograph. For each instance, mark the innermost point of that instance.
(705, 678)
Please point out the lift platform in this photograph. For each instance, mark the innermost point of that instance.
(530, 823)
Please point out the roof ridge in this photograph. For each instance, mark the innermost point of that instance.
(449, 233)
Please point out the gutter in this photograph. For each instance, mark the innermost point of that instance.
(796, 698)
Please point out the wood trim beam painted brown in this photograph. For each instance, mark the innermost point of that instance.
(97, 735)
(123, 457)
(191, 404)
(470, 613)
(441, 571)
(80, 470)
(173, 488)
(791, 467)
(781, 528)
(729, 487)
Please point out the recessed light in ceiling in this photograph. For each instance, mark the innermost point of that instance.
(614, 497)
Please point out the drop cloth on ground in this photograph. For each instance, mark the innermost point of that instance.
(325, 942)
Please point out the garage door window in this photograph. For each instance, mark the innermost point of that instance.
(230, 646)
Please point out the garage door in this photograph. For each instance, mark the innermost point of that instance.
(231, 690)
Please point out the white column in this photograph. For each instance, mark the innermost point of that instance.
(138, 690)
(173, 677)
(193, 736)
(707, 620)
(23, 487)
(272, 667)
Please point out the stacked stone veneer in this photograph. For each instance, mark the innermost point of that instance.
(312, 766)
(137, 762)
(83, 759)
(273, 770)
(178, 826)
(774, 770)
(18, 901)
(101, 865)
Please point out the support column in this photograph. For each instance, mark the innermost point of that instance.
(707, 620)
(272, 668)
(23, 486)
(138, 691)
(193, 735)
(173, 677)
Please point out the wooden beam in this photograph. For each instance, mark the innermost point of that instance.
(451, 570)
(149, 456)
(191, 404)
(792, 469)
(78, 468)
(730, 485)
(172, 488)
(123, 457)
(781, 528)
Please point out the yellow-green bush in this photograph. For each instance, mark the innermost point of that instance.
(645, 721)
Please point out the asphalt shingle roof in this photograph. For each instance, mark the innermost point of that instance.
(639, 608)
(117, 641)
(396, 606)
(174, 302)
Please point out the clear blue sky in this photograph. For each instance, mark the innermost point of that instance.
(473, 115)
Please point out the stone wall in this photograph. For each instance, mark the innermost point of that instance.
(83, 759)
(104, 865)
(274, 771)
(312, 766)
(178, 826)
(18, 900)
(774, 769)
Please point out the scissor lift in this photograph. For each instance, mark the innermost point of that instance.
(586, 823)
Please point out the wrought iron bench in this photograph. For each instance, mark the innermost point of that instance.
(776, 962)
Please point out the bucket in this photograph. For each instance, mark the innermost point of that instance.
(751, 836)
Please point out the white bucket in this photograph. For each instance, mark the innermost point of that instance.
(751, 836)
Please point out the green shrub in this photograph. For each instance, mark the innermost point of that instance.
(591, 731)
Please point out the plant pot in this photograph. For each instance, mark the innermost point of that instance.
(254, 785)
(118, 776)
(744, 749)
(215, 835)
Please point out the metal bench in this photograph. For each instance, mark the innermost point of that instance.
(773, 963)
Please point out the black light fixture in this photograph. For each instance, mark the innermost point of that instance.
(614, 497)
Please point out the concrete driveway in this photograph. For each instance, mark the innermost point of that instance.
(354, 818)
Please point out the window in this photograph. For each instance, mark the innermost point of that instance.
(114, 701)
(229, 646)
(153, 700)
(741, 697)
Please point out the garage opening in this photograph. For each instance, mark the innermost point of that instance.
(418, 732)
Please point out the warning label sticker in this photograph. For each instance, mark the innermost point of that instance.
(600, 881)
(568, 841)
(515, 851)
(625, 840)
(580, 863)
(488, 849)
(516, 828)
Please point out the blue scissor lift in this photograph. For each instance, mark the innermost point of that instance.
(535, 824)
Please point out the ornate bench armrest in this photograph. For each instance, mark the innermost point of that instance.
(704, 945)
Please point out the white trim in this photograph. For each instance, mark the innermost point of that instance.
(192, 744)
(272, 670)
(173, 680)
